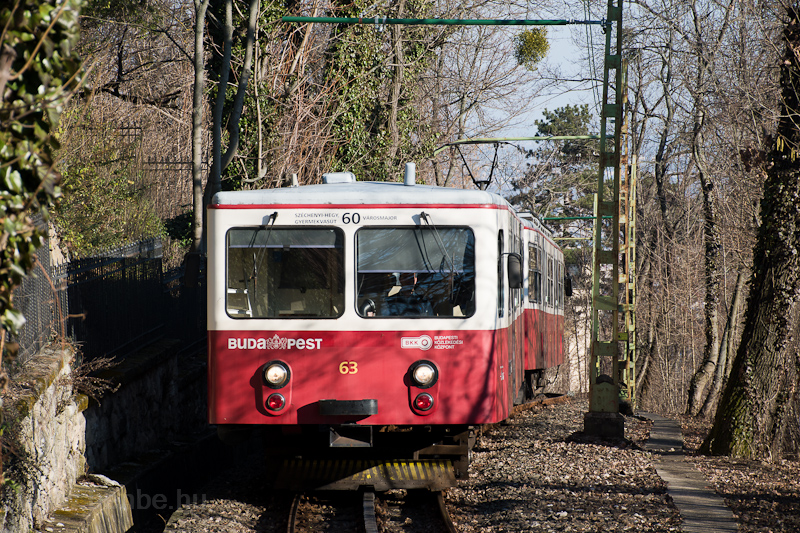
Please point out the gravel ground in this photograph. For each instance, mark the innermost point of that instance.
(764, 497)
(238, 501)
(536, 472)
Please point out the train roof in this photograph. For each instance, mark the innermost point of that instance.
(530, 221)
(361, 192)
(370, 193)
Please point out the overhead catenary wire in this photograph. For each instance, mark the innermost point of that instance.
(592, 61)
(495, 140)
(379, 21)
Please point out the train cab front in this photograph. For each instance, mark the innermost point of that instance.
(383, 392)
(338, 410)
(354, 334)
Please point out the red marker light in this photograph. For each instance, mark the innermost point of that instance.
(276, 402)
(423, 401)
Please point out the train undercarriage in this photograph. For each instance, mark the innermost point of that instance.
(351, 456)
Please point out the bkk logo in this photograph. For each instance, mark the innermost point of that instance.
(275, 343)
(423, 342)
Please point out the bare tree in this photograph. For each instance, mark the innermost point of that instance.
(695, 100)
(131, 118)
(198, 124)
(706, 51)
(757, 416)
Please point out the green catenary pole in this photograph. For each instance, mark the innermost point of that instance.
(441, 22)
(548, 219)
(603, 417)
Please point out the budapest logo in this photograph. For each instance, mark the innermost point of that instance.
(275, 343)
(423, 342)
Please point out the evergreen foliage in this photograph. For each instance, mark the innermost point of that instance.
(357, 70)
(530, 47)
(563, 175)
(38, 69)
(360, 67)
(104, 203)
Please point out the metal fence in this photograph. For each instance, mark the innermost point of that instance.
(113, 298)
(168, 183)
(112, 302)
(109, 304)
(43, 302)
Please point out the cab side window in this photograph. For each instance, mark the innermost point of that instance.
(501, 286)
(534, 274)
(285, 273)
(415, 272)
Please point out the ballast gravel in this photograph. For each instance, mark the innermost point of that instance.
(536, 472)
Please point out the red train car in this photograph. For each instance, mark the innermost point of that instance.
(546, 286)
(376, 320)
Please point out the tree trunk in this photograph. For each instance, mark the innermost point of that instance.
(723, 365)
(200, 8)
(215, 177)
(221, 161)
(707, 369)
(757, 417)
(244, 79)
(705, 54)
(645, 356)
(664, 151)
(397, 85)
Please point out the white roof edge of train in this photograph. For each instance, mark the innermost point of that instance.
(341, 190)
(532, 222)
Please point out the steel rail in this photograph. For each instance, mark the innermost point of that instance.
(444, 514)
(368, 506)
(291, 524)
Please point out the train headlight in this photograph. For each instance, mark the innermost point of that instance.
(423, 402)
(276, 402)
(276, 374)
(424, 374)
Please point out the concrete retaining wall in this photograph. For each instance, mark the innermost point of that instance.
(161, 395)
(63, 439)
(46, 433)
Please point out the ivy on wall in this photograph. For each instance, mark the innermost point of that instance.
(38, 71)
(357, 73)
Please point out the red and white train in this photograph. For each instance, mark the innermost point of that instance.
(381, 320)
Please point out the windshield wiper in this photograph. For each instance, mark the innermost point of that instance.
(445, 256)
(254, 275)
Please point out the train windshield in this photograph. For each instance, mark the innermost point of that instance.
(415, 272)
(285, 273)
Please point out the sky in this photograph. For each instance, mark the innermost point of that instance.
(568, 57)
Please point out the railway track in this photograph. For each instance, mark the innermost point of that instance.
(346, 512)
(291, 523)
(241, 499)
(444, 514)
